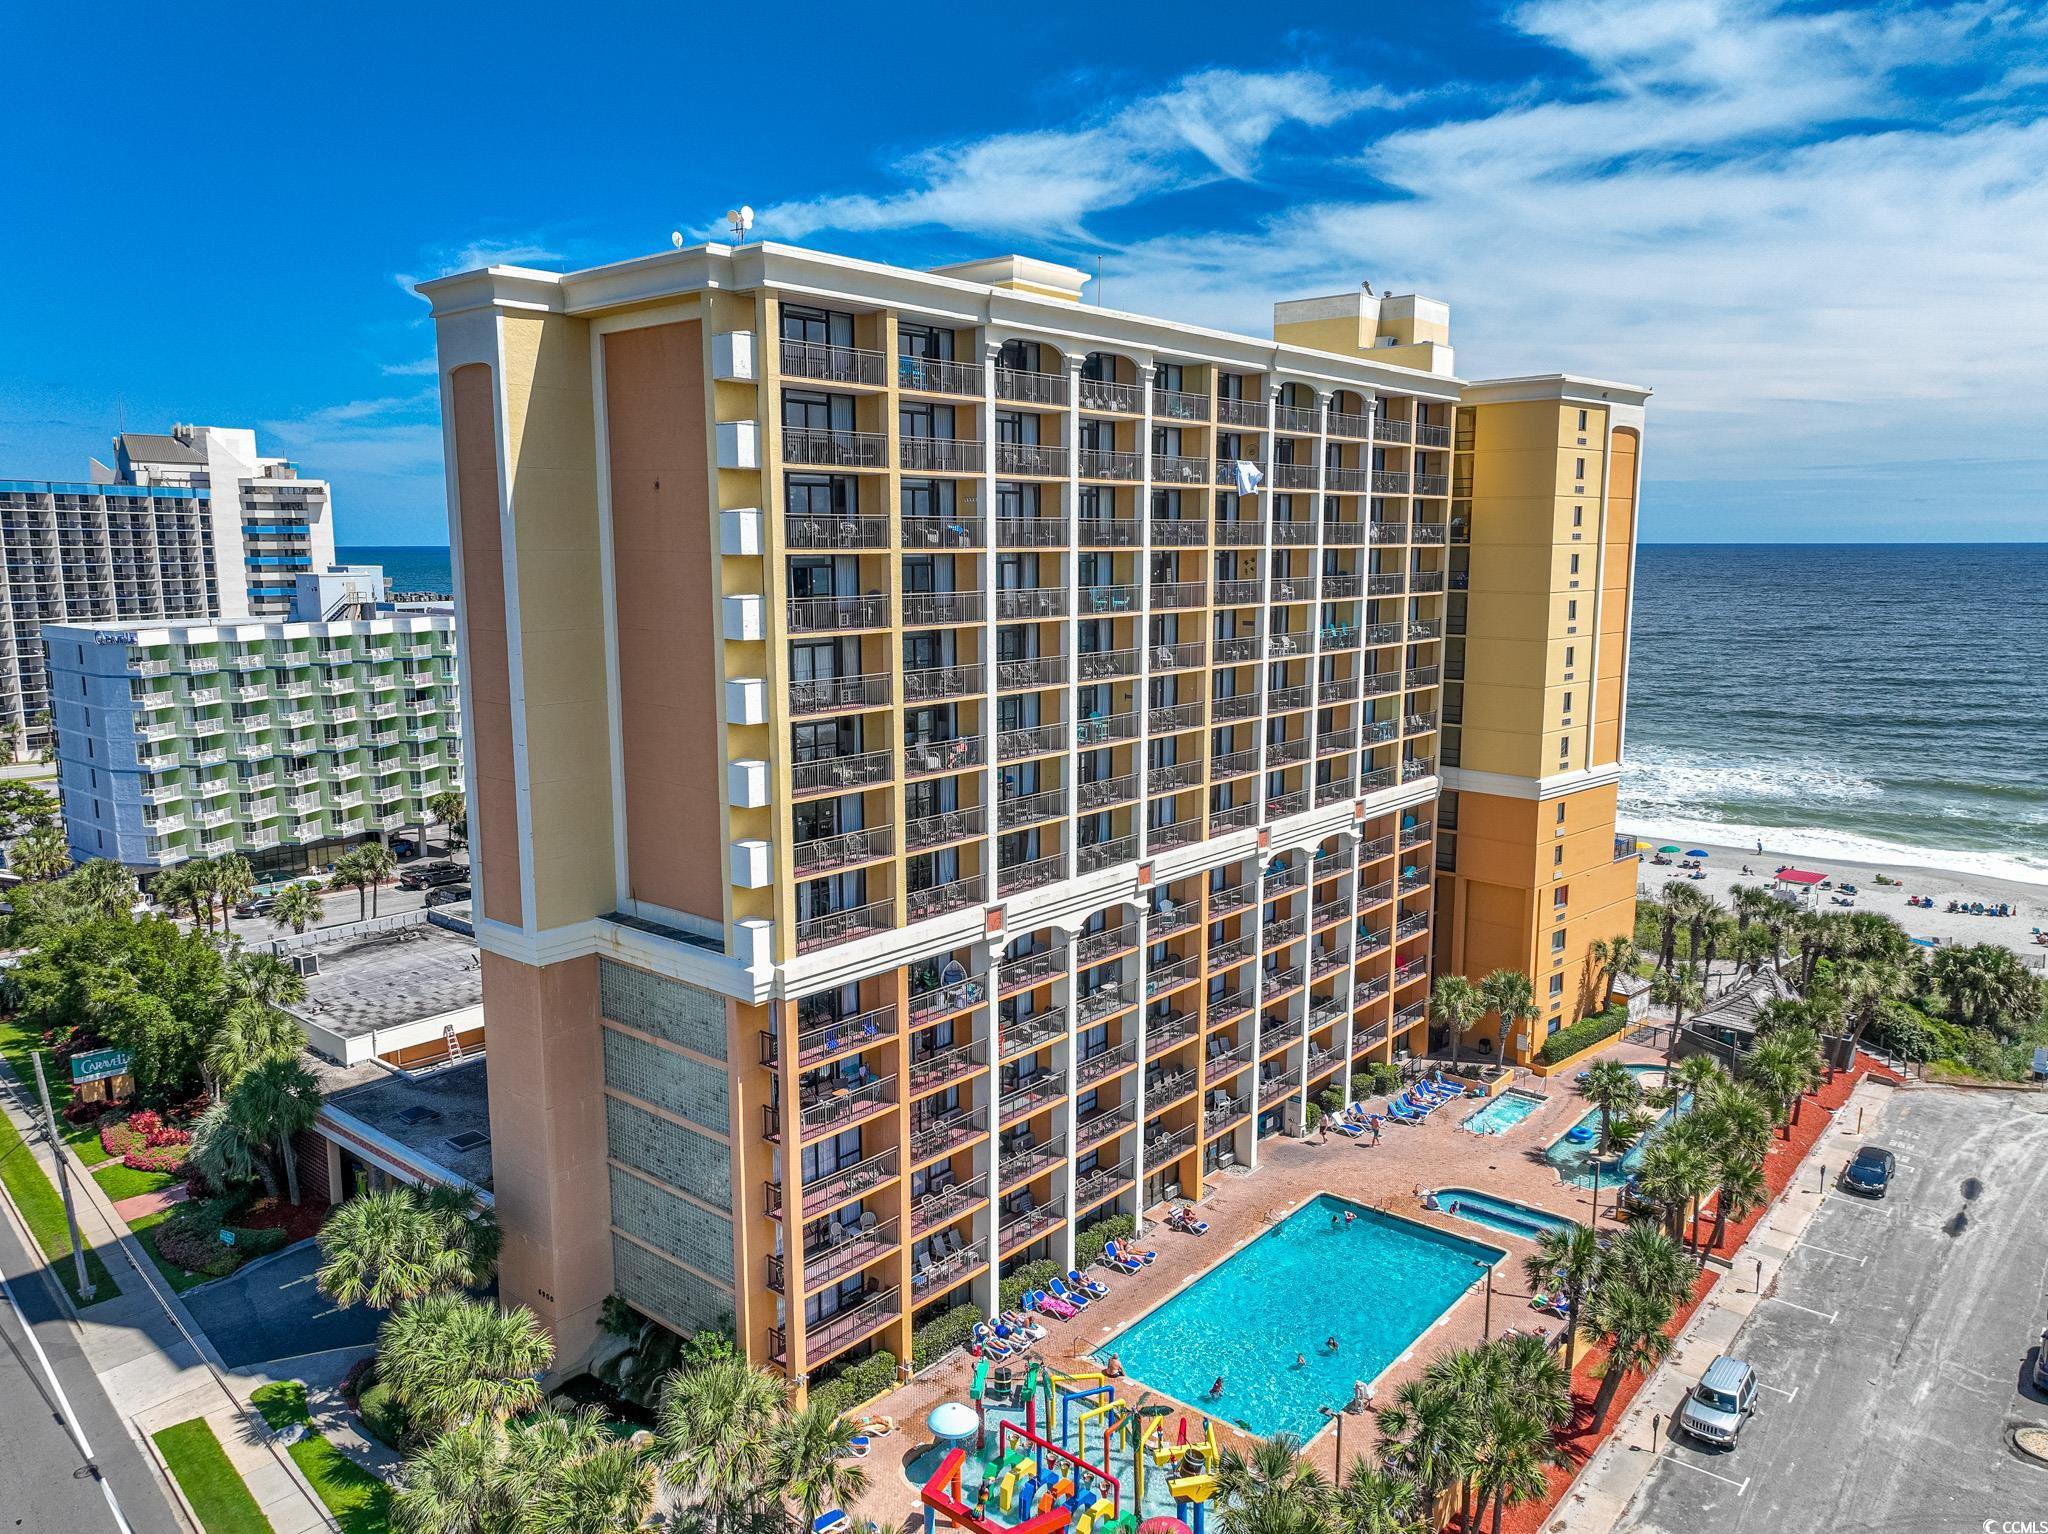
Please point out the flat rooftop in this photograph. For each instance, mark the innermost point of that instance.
(382, 979)
(441, 1116)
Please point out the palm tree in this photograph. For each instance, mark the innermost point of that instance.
(451, 1360)
(1698, 1077)
(377, 863)
(1750, 949)
(1374, 1499)
(1455, 1002)
(234, 881)
(1611, 1087)
(448, 808)
(105, 888)
(1678, 989)
(1510, 996)
(221, 1153)
(1467, 1376)
(205, 888)
(1424, 1433)
(1609, 957)
(609, 1489)
(713, 1432)
(264, 978)
(1681, 903)
(1740, 1188)
(298, 906)
(276, 1100)
(1517, 1445)
(810, 1461)
(1677, 1171)
(1633, 1323)
(1752, 903)
(1566, 1264)
(1787, 1066)
(41, 854)
(350, 872)
(395, 1244)
(1646, 1259)
(1868, 986)
(455, 1485)
(176, 890)
(1718, 932)
(250, 1034)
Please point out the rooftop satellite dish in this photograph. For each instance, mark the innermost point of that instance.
(741, 219)
(675, 238)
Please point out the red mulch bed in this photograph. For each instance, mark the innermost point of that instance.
(1580, 1439)
(297, 1221)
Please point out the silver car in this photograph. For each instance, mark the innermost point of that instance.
(1720, 1403)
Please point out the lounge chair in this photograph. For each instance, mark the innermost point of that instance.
(1401, 1113)
(1183, 1218)
(1019, 1322)
(1132, 1254)
(1344, 1126)
(1074, 1298)
(1094, 1287)
(1116, 1259)
(987, 1344)
(1046, 1304)
(834, 1522)
(858, 1445)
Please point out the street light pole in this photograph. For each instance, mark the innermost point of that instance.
(1486, 1326)
(63, 1180)
(1338, 1418)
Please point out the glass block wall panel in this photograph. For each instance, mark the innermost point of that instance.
(668, 1009)
(680, 1157)
(683, 1086)
(662, 1289)
(677, 1226)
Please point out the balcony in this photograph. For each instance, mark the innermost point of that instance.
(853, 847)
(1167, 1033)
(1334, 790)
(1413, 770)
(1024, 1159)
(1179, 405)
(834, 364)
(835, 1333)
(1092, 1131)
(830, 1260)
(1347, 481)
(1171, 717)
(1094, 947)
(1170, 470)
(1031, 602)
(836, 1187)
(1171, 976)
(939, 455)
(943, 1001)
(1101, 1185)
(1344, 424)
(927, 1214)
(1033, 671)
(832, 1110)
(1178, 833)
(1234, 817)
(1178, 594)
(928, 683)
(1180, 532)
(1095, 731)
(1240, 412)
(1105, 1063)
(936, 609)
(1108, 396)
(810, 615)
(1234, 764)
(1107, 665)
(1106, 792)
(1031, 388)
(942, 1067)
(832, 774)
(1384, 430)
(1432, 484)
(941, 532)
(1108, 599)
(1027, 1226)
(1040, 1093)
(1410, 1015)
(941, 1136)
(1368, 991)
(1278, 1089)
(1123, 468)
(1294, 476)
(1034, 740)
(1224, 1111)
(953, 895)
(826, 695)
(1031, 533)
(836, 532)
(1411, 926)
(1031, 458)
(817, 932)
(929, 831)
(825, 447)
(1278, 982)
(1421, 676)
(1122, 849)
(1030, 809)
(1430, 532)
(1388, 532)
(1020, 877)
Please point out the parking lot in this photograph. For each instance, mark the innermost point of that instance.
(1894, 1346)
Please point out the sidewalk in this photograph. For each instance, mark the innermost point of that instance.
(1600, 1496)
(155, 1364)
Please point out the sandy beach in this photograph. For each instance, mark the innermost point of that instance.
(1724, 867)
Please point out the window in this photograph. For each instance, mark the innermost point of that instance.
(1583, 417)
(1580, 471)
(1578, 516)
(1557, 861)
(1560, 898)
(1557, 943)
(1570, 654)
(1575, 564)
(1571, 610)
(1567, 705)
(1560, 812)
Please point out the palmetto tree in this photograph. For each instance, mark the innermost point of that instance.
(251, 1033)
(1375, 1499)
(1681, 902)
(1611, 1087)
(1986, 986)
(1425, 1437)
(1633, 1323)
(455, 1485)
(1509, 995)
(264, 978)
(1467, 1376)
(1609, 957)
(810, 1460)
(105, 888)
(1752, 903)
(396, 1244)
(274, 1101)
(1867, 986)
(451, 1360)
(1566, 1264)
(1679, 989)
(298, 906)
(714, 1431)
(609, 1489)
(234, 881)
(1678, 1170)
(1455, 1002)
(42, 853)
(1785, 1067)
(350, 871)
(205, 888)
(1699, 1077)
(1516, 1444)
(1740, 1187)
(377, 863)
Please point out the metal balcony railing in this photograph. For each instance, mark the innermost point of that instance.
(943, 1001)
(1179, 532)
(1234, 764)
(1432, 484)
(924, 758)
(1107, 395)
(1031, 388)
(824, 852)
(834, 1334)
(1102, 463)
(1121, 849)
(828, 694)
(1107, 532)
(945, 1133)
(1411, 926)
(1294, 476)
(1030, 1225)
(1384, 430)
(937, 375)
(828, 447)
(1105, 999)
(1423, 582)
(1168, 1087)
(1179, 405)
(933, 682)
(1094, 732)
(1100, 1185)
(1167, 1033)
(1240, 412)
(963, 532)
(1031, 602)
(1098, 600)
(1092, 1131)
(1106, 792)
(948, 1204)
(835, 532)
(1040, 1094)
(1235, 593)
(1030, 809)
(836, 1187)
(1034, 671)
(1094, 947)
(1170, 976)
(835, 364)
(1105, 1063)
(817, 932)
(935, 609)
(1023, 1159)
(941, 1067)
(1343, 423)
(830, 1260)
(1033, 740)
(1333, 790)
(1348, 481)
(1412, 770)
(1104, 665)
(1037, 459)
(1171, 717)
(953, 895)
(1029, 876)
(939, 455)
(1429, 532)
(1178, 594)
(1388, 532)
(1241, 533)
(1031, 969)
(1278, 982)
(1031, 532)
(833, 1109)
(1224, 1111)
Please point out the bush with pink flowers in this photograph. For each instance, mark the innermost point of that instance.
(144, 1142)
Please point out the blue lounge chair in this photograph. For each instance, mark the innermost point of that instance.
(990, 1344)
(1345, 1126)
(1073, 1297)
(1401, 1113)
(1094, 1287)
(1114, 1256)
(1183, 1218)
(834, 1522)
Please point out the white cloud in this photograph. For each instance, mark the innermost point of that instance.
(423, 367)
(395, 436)
(1210, 126)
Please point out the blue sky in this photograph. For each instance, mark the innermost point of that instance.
(1819, 232)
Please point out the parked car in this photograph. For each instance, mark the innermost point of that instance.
(2040, 1373)
(1870, 1174)
(257, 905)
(1721, 1402)
(448, 894)
(403, 848)
(428, 875)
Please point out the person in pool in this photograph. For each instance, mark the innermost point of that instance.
(1301, 1360)
(1216, 1390)
(1330, 1346)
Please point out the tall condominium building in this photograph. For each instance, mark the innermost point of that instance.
(949, 763)
(284, 742)
(191, 525)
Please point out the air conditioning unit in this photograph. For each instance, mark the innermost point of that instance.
(306, 964)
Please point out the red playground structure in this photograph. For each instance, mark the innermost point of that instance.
(1032, 1486)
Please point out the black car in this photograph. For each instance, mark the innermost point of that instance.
(1870, 1174)
(430, 875)
(448, 894)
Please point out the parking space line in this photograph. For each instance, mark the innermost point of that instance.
(1740, 1486)
(1828, 1251)
(1779, 1390)
(1825, 1315)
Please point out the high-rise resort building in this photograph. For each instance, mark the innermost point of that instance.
(951, 763)
(284, 741)
(186, 526)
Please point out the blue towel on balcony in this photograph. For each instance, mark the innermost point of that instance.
(1248, 478)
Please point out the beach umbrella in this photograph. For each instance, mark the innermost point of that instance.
(1698, 853)
(1667, 849)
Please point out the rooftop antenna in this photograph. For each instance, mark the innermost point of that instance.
(675, 238)
(1098, 282)
(1367, 285)
(741, 219)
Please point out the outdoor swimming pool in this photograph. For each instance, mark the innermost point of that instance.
(1501, 1214)
(1376, 1285)
(1504, 1112)
(1574, 1163)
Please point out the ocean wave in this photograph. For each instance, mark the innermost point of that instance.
(1821, 844)
(1655, 780)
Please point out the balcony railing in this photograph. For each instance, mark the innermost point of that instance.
(932, 1273)
(1165, 1033)
(832, 1110)
(1121, 849)
(1429, 532)
(1030, 1225)
(1094, 947)
(1294, 534)
(923, 758)
(1034, 740)
(1234, 764)
(1332, 791)
(1043, 1091)
(835, 1333)
(1235, 652)
(1092, 1131)
(1104, 1000)
(824, 852)
(937, 375)
(1108, 599)
(1179, 405)
(1294, 476)
(1384, 430)
(831, 1260)
(935, 1209)
(1107, 532)
(1240, 533)
(1344, 424)
(1432, 484)
(941, 1067)
(830, 448)
(1106, 1063)
(934, 609)
(1168, 718)
(1388, 532)
(1030, 809)
(817, 932)
(1106, 792)
(1031, 532)
(1412, 770)
(1106, 394)
(944, 1134)
(943, 1001)
(1347, 480)
(1029, 876)
(1240, 412)
(1031, 602)
(1106, 665)
(1170, 470)
(1034, 671)
(1102, 463)
(825, 695)
(835, 1187)
(1101, 1184)
(835, 364)
(953, 895)
(939, 455)
(1023, 1159)
(1224, 1111)
(941, 532)
(1031, 458)
(1031, 388)
(1020, 974)
(835, 532)
(1178, 594)
(930, 682)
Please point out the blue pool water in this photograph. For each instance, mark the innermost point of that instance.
(1504, 1112)
(1501, 1214)
(1574, 1163)
(1376, 1284)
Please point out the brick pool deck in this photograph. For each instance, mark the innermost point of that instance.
(1435, 1154)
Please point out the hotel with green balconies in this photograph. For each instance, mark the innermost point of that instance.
(949, 763)
(284, 742)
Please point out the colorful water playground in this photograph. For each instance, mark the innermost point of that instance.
(1036, 1452)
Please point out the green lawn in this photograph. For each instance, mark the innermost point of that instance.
(144, 1230)
(209, 1481)
(360, 1502)
(118, 1181)
(17, 1043)
(42, 1208)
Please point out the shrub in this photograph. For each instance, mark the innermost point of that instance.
(939, 1336)
(145, 1122)
(120, 1137)
(87, 1113)
(168, 1136)
(858, 1381)
(1033, 1275)
(1583, 1034)
(1331, 1101)
(157, 1158)
(383, 1417)
(1091, 1239)
(1312, 1117)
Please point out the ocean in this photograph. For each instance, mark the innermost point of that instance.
(1869, 702)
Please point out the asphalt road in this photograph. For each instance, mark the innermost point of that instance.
(272, 1310)
(44, 1483)
(1894, 1347)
